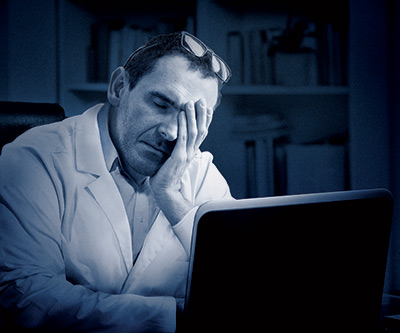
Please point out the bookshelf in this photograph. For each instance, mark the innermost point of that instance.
(90, 87)
(242, 89)
(304, 94)
(46, 61)
(307, 101)
(95, 38)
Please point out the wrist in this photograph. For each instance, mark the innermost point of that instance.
(174, 206)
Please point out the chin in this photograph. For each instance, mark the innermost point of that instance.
(146, 169)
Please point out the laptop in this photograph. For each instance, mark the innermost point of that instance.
(300, 263)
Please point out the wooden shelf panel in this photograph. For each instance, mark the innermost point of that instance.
(243, 89)
(89, 87)
(285, 90)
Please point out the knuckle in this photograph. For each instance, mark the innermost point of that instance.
(191, 115)
(182, 136)
(202, 133)
(204, 129)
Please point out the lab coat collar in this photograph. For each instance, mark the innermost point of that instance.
(109, 151)
(90, 159)
(89, 153)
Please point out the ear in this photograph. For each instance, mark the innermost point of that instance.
(117, 83)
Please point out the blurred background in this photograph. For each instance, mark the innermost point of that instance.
(313, 104)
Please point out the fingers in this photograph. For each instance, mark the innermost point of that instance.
(210, 113)
(201, 112)
(193, 124)
(181, 142)
(192, 129)
(204, 117)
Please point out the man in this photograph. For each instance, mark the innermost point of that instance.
(96, 211)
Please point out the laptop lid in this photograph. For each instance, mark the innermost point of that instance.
(313, 262)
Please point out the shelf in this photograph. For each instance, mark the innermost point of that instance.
(331, 10)
(89, 87)
(284, 90)
(176, 7)
(241, 89)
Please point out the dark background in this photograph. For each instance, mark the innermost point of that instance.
(48, 51)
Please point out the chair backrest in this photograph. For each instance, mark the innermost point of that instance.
(17, 117)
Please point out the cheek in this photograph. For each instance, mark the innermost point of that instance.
(134, 124)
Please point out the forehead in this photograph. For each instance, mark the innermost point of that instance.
(172, 76)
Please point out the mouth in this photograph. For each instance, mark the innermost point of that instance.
(158, 149)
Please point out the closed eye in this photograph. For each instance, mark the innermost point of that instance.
(161, 101)
(161, 105)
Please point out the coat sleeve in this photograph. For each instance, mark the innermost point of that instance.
(162, 266)
(34, 290)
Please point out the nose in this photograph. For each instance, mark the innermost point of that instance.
(169, 128)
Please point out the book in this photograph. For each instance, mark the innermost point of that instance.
(307, 53)
(258, 61)
(113, 41)
(236, 57)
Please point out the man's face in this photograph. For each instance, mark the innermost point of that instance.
(144, 126)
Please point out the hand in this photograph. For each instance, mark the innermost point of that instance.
(193, 124)
(198, 119)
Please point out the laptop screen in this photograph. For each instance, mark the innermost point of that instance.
(311, 262)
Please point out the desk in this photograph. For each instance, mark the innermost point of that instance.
(391, 324)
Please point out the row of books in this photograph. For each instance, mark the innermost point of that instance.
(276, 166)
(255, 56)
(112, 42)
(320, 58)
(273, 168)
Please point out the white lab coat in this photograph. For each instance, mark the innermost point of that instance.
(65, 241)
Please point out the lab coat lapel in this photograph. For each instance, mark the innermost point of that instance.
(160, 243)
(89, 158)
(107, 196)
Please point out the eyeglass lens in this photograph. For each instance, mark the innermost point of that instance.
(194, 46)
(199, 49)
(220, 68)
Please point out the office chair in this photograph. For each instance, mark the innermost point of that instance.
(17, 117)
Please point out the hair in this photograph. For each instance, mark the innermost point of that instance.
(157, 47)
